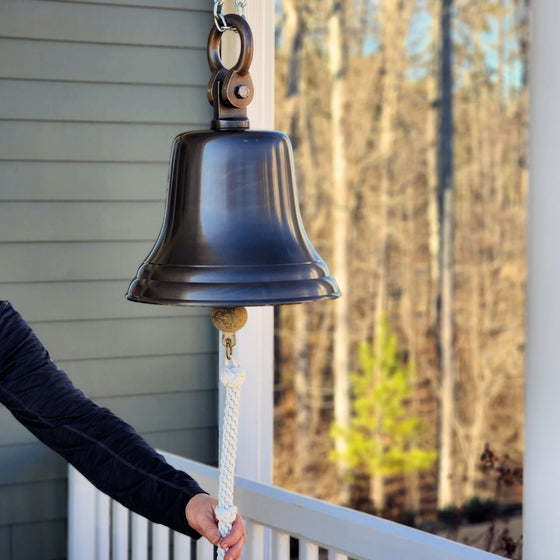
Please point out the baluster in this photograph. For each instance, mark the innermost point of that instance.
(102, 526)
(308, 550)
(160, 542)
(119, 532)
(140, 528)
(181, 547)
(204, 550)
(280, 545)
(82, 503)
(254, 549)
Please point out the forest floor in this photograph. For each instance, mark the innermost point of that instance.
(478, 535)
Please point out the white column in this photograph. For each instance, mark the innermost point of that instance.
(542, 393)
(254, 352)
(255, 348)
(260, 15)
(255, 342)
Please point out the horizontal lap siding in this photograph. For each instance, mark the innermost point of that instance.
(94, 23)
(92, 94)
(115, 103)
(79, 221)
(99, 181)
(86, 142)
(161, 4)
(101, 63)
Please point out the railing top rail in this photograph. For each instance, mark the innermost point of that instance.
(334, 527)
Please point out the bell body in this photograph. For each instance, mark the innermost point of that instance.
(232, 233)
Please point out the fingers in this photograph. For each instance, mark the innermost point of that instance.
(234, 552)
(236, 534)
(211, 534)
(235, 541)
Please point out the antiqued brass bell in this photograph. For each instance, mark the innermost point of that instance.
(232, 233)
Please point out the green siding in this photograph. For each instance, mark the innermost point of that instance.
(92, 94)
(28, 463)
(79, 221)
(5, 542)
(102, 102)
(33, 502)
(123, 64)
(78, 141)
(48, 540)
(99, 181)
(95, 299)
(68, 262)
(80, 22)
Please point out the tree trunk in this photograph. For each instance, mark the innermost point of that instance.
(341, 345)
(377, 493)
(395, 20)
(294, 30)
(446, 495)
(432, 159)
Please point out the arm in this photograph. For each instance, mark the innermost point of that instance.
(101, 446)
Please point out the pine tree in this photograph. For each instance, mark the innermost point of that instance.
(383, 438)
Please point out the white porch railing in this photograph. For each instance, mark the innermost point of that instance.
(100, 529)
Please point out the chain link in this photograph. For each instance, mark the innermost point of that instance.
(241, 5)
(219, 17)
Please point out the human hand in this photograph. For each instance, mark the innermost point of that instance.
(201, 517)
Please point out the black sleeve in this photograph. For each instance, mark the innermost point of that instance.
(106, 450)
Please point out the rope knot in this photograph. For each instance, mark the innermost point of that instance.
(226, 514)
(232, 376)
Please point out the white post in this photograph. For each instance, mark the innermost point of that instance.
(254, 349)
(260, 15)
(542, 393)
(81, 517)
(254, 352)
(255, 341)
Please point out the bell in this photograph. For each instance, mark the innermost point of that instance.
(232, 234)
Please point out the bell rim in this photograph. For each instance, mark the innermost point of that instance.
(255, 294)
(230, 303)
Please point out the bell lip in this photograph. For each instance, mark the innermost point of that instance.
(255, 294)
(231, 303)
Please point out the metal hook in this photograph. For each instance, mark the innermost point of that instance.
(229, 342)
(230, 91)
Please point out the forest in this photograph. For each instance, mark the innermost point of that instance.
(409, 123)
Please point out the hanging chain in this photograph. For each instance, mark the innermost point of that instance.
(219, 17)
(241, 5)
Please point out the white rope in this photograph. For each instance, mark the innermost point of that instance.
(232, 378)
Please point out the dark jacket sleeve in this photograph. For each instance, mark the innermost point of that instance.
(106, 450)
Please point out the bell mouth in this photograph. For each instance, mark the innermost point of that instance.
(233, 285)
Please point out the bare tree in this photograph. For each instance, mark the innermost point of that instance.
(446, 242)
(412, 187)
(341, 221)
(395, 19)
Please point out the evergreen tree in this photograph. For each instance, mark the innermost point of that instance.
(384, 438)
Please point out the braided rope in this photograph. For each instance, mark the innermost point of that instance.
(232, 378)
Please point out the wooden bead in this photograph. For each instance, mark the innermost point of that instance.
(228, 319)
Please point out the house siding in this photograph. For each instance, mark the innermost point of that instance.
(91, 96)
